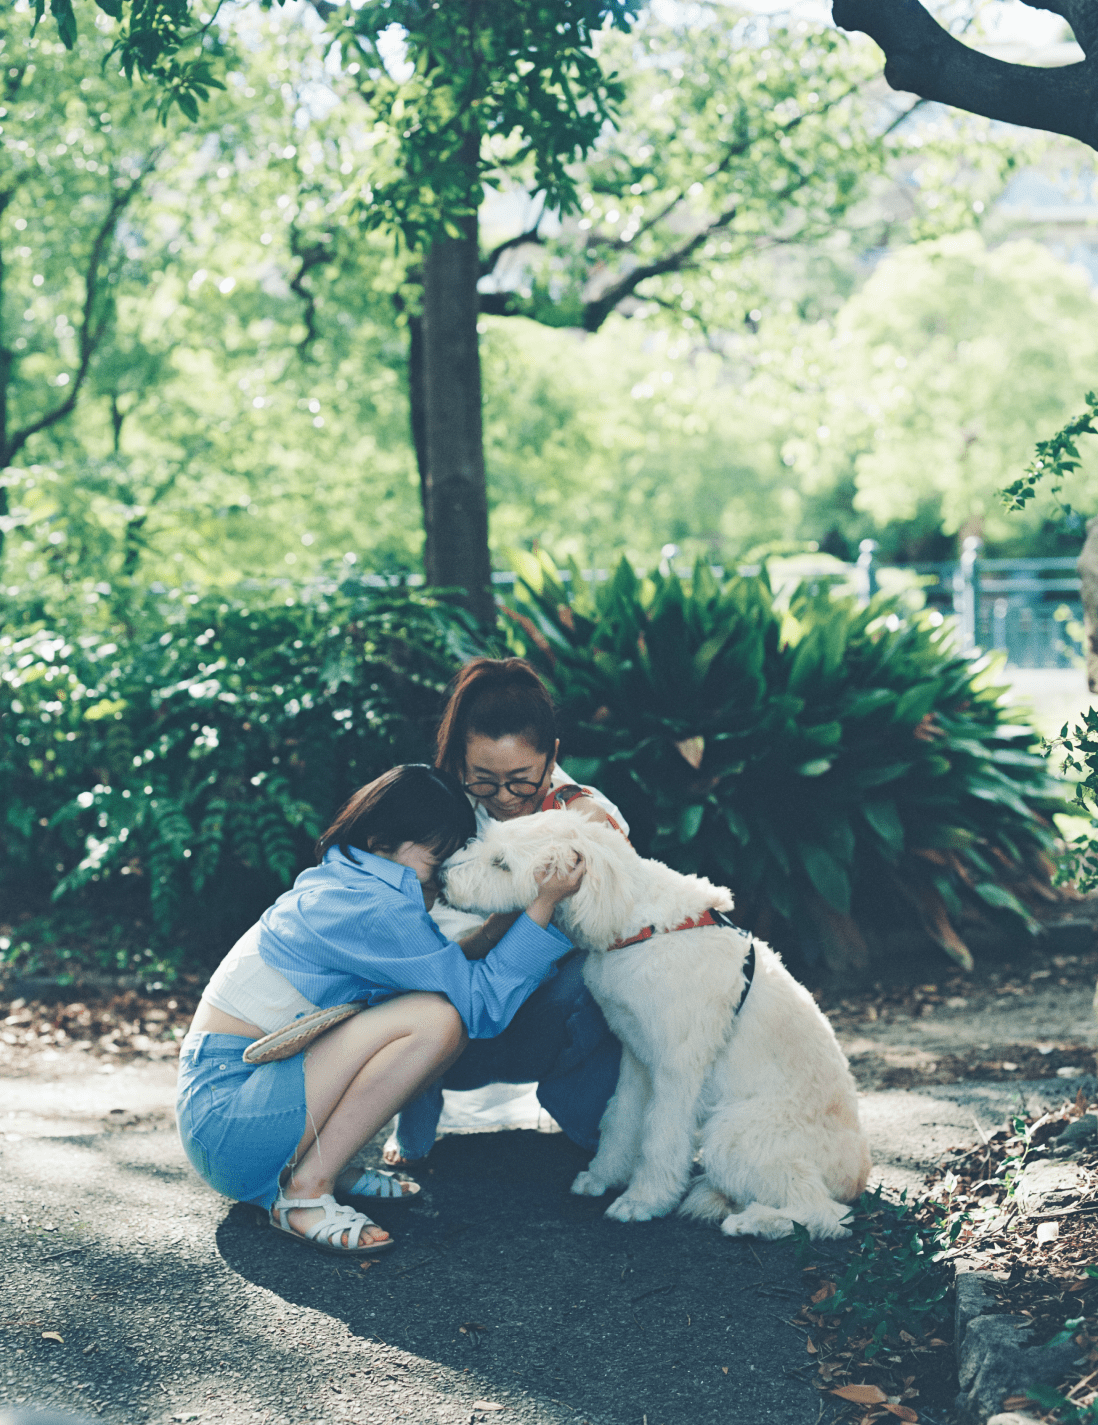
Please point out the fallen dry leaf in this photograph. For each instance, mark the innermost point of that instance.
(725, 1369)
(902, 1411)
(825, 1291)
(692, 750)
(810, 1346)
(53, 1336)
(862, 1394)
(487, 1405)
(1016, 1402)
(365, 1266)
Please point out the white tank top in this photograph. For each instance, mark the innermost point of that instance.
(245, 987)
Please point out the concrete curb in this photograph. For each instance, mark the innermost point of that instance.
(994, 1360)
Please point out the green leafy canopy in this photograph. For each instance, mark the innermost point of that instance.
(521, 77)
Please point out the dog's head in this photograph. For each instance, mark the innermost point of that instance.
(500, 872)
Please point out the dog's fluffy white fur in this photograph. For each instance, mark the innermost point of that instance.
(768, 1089)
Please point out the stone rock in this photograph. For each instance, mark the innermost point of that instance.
(1013, 1417)
(1067, 937)
(1043, 1179)
(1082, 1130)
(996, 1361)
(973, 1299)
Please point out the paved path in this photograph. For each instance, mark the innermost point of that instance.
(505, 1288)
(173, 1305)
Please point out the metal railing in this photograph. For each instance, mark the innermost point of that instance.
(1027, 607)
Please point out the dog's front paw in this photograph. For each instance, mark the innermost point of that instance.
(588, 1185)
(632, 1209)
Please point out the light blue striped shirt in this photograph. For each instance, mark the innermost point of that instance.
(345, 932)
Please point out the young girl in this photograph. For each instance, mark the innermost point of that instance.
(354, 928)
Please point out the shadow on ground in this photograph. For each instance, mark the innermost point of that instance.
(135, 1293)
(501, 1270)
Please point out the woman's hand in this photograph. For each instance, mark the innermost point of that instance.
(554, 887)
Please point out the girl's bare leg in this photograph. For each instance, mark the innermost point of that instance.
(357, 1076)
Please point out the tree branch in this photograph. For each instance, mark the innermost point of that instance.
(92, 325)
(595, 312)
(489, 263)
(923, 58)
(312, 255)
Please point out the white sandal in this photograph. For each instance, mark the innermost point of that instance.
(372, 1182)
(327, 1234)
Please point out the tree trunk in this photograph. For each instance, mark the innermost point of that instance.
(417, 401)
(1087, 567)
(456, 499)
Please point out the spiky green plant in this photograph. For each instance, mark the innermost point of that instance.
(843, 769)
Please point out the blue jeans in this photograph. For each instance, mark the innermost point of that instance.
(559, 1039)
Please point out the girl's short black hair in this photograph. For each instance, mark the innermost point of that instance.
(413, 802)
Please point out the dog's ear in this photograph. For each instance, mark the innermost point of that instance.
(595, 915)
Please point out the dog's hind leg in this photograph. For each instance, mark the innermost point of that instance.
(823, 1217)
(619, 1131)
(667, 1146)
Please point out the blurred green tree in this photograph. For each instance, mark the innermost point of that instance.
(484, 89)
(931, 381)
(224, 375)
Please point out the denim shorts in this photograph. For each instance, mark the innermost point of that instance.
(239, 1124)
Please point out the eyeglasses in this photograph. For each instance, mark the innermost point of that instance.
(522, 789)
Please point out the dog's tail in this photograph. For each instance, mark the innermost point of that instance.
(704, 1201)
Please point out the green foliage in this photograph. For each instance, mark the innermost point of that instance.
(1069, 1412)
(523, 77)
(244, 409)
(895, 1277)
(514, 89)
(696, 175)
(932, 380)
(151, 37)
(1049, 1398)
(739, 137)
(198, 745)
(842, 769)
(1078, 864)
(1056, 459)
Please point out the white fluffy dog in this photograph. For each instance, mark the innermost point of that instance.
(766, 1085)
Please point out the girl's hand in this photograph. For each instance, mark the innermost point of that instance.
(555, 887)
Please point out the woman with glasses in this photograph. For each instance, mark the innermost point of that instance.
(498, 736)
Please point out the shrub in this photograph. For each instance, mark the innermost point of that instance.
(198, 749)
(841, 768)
